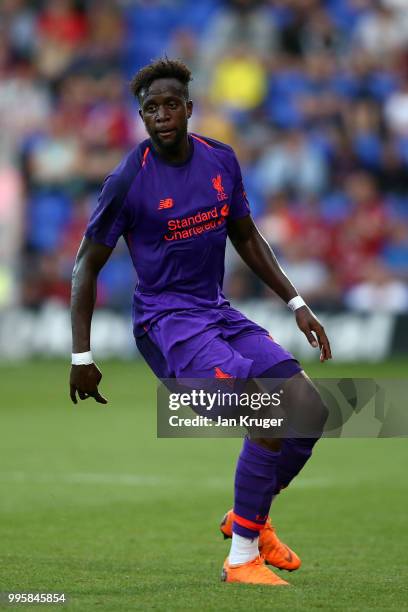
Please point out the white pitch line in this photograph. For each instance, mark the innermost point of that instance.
(132, 480)
(139, 480)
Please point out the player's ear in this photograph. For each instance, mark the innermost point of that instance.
(189, 108)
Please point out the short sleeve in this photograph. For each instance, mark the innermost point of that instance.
(239, 202)
(110, 219)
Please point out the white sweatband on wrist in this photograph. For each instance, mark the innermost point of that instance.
(82, 358)
(296, 302)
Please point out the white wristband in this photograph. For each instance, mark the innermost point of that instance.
(296, 302)
(82, 358)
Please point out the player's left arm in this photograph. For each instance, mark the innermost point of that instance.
(258, 255)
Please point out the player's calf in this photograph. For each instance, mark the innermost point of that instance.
(307, 415)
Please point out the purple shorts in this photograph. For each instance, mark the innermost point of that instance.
(216, 343)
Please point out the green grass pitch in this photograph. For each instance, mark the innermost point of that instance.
(92, 504)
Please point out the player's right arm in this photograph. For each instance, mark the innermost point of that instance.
(91, 257)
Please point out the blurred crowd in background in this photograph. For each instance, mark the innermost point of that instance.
(312, 94)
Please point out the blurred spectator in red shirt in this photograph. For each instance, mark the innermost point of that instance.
(362, 235)
(62, 30)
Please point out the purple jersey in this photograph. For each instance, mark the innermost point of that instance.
(173, 218)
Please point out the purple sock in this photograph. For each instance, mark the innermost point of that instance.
(295, 452)
(256, 484)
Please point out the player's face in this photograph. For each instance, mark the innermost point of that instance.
(165, 113)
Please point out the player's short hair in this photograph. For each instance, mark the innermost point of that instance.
(163, 68)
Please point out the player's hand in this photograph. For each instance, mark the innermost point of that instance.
(84, 380)
(312, 328)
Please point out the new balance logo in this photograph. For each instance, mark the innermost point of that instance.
(220, 374)
(166, 203)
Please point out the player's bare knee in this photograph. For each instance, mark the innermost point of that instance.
(316, 410)
(304, 406)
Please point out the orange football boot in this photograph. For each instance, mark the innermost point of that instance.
(274, 551)
(253, 572)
